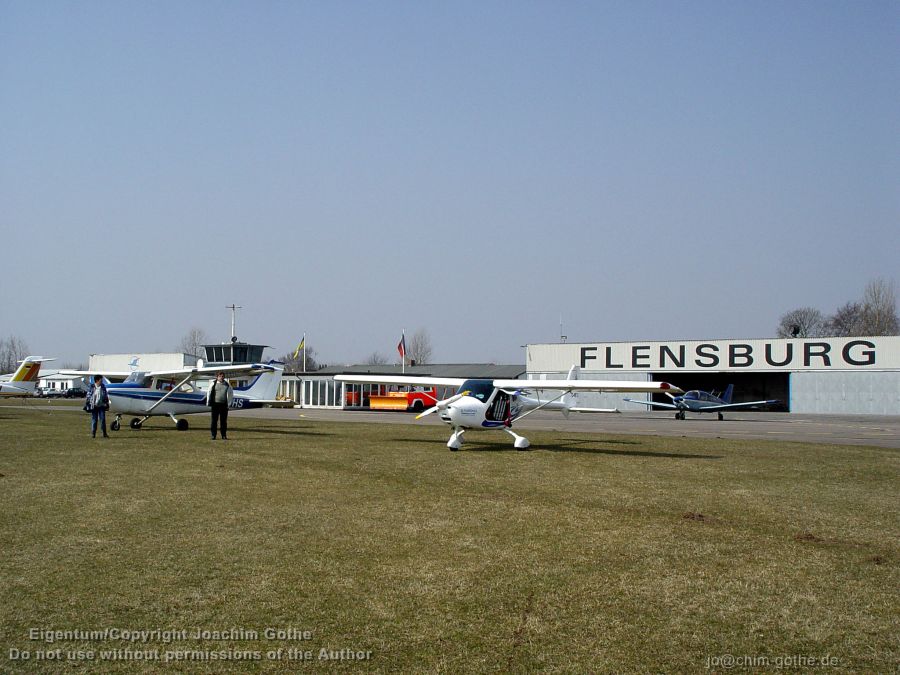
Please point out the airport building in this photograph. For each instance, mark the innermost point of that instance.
(318, 389)
(858, 375)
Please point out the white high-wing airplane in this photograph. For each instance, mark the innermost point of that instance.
(25, 379)
(497, 404)
(175, 392)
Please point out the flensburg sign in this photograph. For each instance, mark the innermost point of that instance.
(863, 353)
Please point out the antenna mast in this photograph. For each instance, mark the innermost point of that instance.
(233, 309)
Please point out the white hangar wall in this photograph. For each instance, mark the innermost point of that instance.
(859, 375)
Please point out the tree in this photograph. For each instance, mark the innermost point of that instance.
(295, 364)
(419, 348)
(803, 322)
(193, 342)
(12, 350)
(879, 309)
(376, 359)
(846, 321)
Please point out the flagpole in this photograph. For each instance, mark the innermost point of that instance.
(304, 352)
(403, 355)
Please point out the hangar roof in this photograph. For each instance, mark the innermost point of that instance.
(460, 370)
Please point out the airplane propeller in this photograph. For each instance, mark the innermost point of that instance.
(440, 405)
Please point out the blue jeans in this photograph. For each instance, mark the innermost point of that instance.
(98, 414)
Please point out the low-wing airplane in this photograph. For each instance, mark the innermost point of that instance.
(25, 379)
(703, 402)
(497, 404)
(176, 392)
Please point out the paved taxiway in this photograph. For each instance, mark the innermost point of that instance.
(877, 430)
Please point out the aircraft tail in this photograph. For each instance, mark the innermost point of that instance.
(728, 392)
(570, 400)
(265, 386)
(29, 369)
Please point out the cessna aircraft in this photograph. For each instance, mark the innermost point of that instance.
(175, 392)
(496, 404)
(25, 379)
(704, 401)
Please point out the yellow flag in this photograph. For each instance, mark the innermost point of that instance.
(299, 347)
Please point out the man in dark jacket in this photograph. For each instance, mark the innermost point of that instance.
(97, 401)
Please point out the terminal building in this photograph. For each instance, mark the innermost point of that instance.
(858, 375)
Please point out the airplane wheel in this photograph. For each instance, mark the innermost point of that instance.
(135, 423)
(454, 449)
(721, 417)
(181, 425)
(115, 425)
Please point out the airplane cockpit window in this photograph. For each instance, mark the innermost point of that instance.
(694, 394)
(138, 378)
(480, 389)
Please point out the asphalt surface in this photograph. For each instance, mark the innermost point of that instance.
(877, 430)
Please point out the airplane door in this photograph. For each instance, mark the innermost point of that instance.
(499, 408)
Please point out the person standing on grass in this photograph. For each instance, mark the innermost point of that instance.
(97, 401)
(219, 398)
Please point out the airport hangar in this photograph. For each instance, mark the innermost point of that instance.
(854, 375)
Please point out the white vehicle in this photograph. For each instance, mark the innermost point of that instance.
(176, 392)
(25, 379)
(497, 404)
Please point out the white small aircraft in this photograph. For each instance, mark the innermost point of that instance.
(176, 392)
(25, 379)
(497, 404)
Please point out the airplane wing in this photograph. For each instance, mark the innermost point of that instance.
(401, 379)
(653, 404)
(736, 406)
(211, 371)
(102, 373)
(588, 385)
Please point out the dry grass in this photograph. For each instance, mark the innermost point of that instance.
(589, 553)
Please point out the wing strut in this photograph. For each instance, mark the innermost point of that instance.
(171, 391)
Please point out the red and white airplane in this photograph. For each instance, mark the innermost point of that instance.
(497, 404)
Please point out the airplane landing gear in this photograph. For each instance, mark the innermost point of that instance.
(721, 417)
(521, 442)
(456, 440)
(136, 423)
(181, 425)
(115, 425)
(679, 415)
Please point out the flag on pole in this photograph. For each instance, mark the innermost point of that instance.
(300, 346)
(401, 346)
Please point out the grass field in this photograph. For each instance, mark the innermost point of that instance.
(590, 553)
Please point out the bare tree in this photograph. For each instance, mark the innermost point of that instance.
(376, 359)
(419, 348)
(12, 350)
(846, 321)
(879, 309)
(295, 363)
(193, 342)
(803, 322)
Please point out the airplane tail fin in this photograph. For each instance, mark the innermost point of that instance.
(29, 369)
(265, 386)
(728, 392)
(570, 400)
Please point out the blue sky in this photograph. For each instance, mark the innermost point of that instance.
(647, 170)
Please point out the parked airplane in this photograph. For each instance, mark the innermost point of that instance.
(25, 379)
(496, 404)
(176, 392)
(704, 401)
